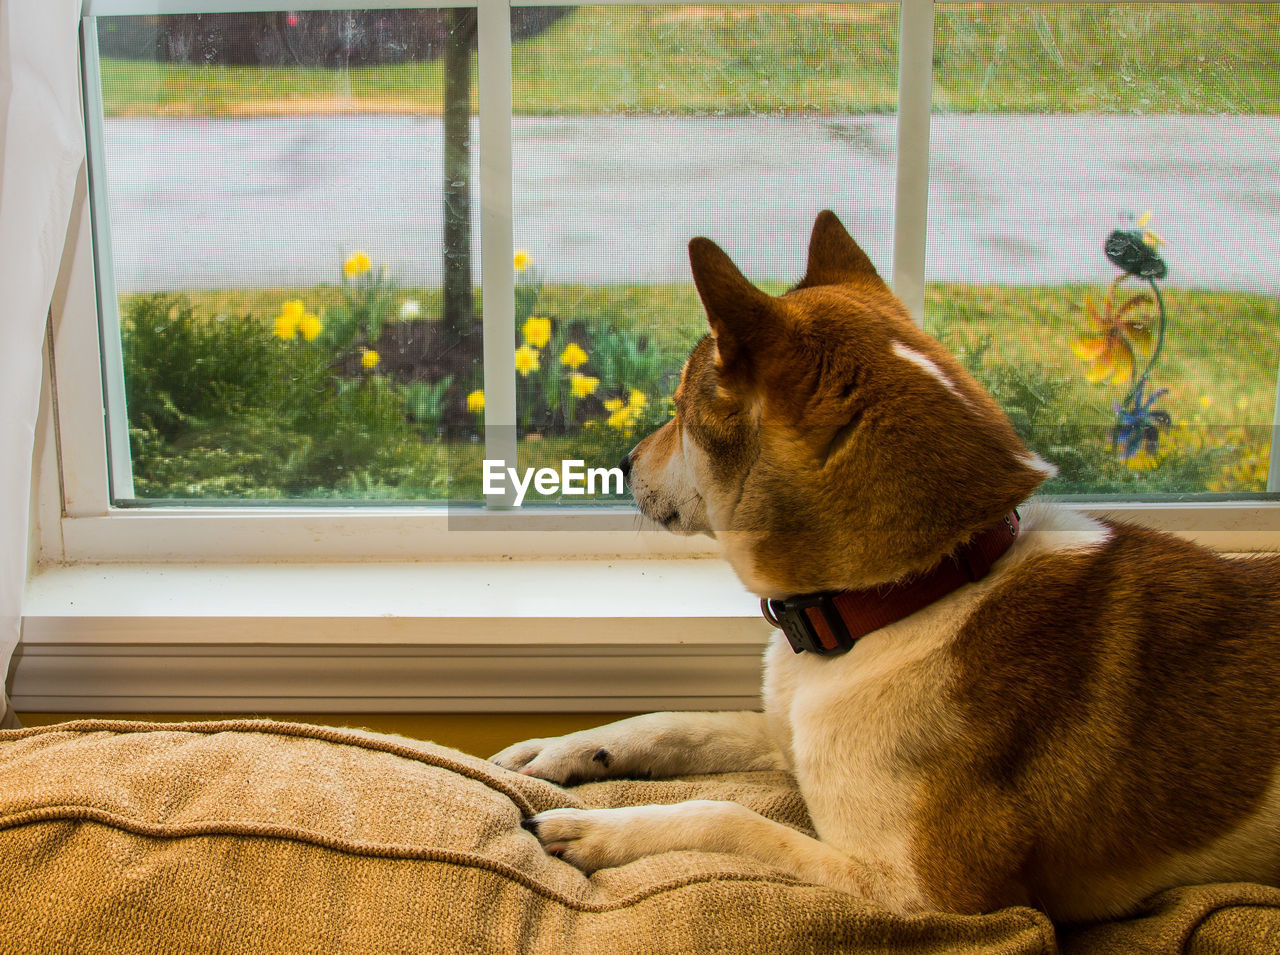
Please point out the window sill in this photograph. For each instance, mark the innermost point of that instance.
(503, 634)
(478, 636)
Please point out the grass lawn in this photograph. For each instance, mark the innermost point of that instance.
(1219, 365)
(1148, 58)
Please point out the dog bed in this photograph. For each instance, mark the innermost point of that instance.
(265, 837)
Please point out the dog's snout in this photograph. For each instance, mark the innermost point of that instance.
(625, 467)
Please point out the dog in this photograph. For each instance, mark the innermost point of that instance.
(985, 701)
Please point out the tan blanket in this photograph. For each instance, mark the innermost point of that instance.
(254, 836)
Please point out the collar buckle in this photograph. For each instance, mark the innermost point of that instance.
(811, 623)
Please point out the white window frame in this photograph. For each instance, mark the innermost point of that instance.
(112, 578)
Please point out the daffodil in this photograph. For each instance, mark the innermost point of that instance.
(582, 385)
(526, 360)
(573, 356)
(356, 264)
(1143, 460)
(537, 331)
(621, 420)
(286, 323)
(310, 326)
(521, 261)
(284, 327)
(623, 417)
(1109, 349)
(475, 401)
(410, 309)
(370, 359)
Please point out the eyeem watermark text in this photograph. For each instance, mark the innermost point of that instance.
(574, 477)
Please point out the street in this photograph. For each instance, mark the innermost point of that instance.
(1014, 199)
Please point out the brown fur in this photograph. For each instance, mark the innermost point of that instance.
(806, 373)
(1119, 706)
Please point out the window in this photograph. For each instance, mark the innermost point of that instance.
(288, 250)
(279, 197)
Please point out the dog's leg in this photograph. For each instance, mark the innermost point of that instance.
(594, 839)
(652, 745)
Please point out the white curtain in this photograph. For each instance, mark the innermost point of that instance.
(41, 152)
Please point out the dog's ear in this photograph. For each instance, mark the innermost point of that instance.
(744, 320)
(834, 258)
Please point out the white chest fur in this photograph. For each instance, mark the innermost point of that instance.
(859, 730)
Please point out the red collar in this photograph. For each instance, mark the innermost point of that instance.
(830, 623)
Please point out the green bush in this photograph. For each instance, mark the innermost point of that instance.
(1077, 440)
(183, 374)
(219, 407)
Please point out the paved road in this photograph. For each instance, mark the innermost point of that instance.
(199, 203)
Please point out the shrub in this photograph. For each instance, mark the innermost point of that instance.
(222, 408)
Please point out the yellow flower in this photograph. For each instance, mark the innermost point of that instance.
(521, 261)
(573, 356)
(582, 385)
(370, 359)
(357, 264)
(286, 323)
(475, 401)
(1143, 460)
(537, 331)
(621, 420)
(284, 327)
(526, 360)
(623, 417)
(310, 326)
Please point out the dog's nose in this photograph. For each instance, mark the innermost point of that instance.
(625, 467)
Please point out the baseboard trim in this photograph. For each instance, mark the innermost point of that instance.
(334, 678)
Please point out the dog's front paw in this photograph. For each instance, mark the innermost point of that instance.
(589, 839)
(567, 760)
(602, 838)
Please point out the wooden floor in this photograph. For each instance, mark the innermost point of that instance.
(481, 734)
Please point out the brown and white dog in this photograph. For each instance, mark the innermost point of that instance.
(1091, 714)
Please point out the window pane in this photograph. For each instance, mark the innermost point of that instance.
(288, 204)
(1057, 124)
(639, 127)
